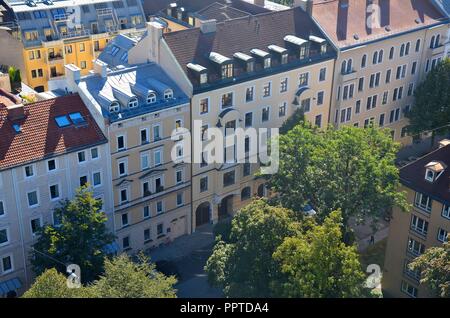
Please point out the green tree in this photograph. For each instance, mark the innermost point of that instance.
(350, 169)
(434, 265)
(52, 284)
(319, 265)
(244, 267)
(79, 239)
(296, 118)
(14, 77)
(432, 102)
(124, 278)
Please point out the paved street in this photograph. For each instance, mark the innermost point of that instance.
(189, 255)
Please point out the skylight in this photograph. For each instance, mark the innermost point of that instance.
(77, 118)
(114, 50)
(17, 128)
(62, 121)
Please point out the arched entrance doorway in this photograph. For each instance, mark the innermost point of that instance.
(226, 207)
(202, 214)
(262, 190)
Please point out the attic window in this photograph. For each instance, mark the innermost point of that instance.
(114, 107)
(133, 103)
(168, 94)
(227, 70)
(200, 71)
(62, 121)
(77, 118)
(124, 57)
(262, 55)
(434, 170)
(114, 50)
(151, 98)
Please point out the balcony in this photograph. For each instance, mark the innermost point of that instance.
(159, 189)
(349, 76)
(440, 49)
(55, 58)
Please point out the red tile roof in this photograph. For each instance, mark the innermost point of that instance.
(413, 175)
(342, 22)
(40, 136)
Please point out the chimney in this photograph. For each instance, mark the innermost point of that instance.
(260, 3)
(16, 112)
(72, 77)
(306, 5)
(154, 35)
(208, 26)
(100, 68)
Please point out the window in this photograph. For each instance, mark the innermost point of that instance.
(306, 105)
(146, 189)
(204, 184)
(248, 119)
(246, 193)
(123, 195)
(168, 94)
(6, 265)
(418, 45)
(2, 209)
(81, 156)
(32, 199)
(228, 178)
(267, 89)
(246, 169)
(385, 98)
(83, 180)
(282, 110)
(227, 70)
(346, 115)
(416, 248)
(179, 176)
(54, 192)
(156, 132)
(442, 236)
(179, 199)
(94, 153)
(124, 219)
(159, 207)
(82, 47)
(265, 114)
(303, 79)
(4, 237)
(364, 61)
(410, 89)
(227, 100)
(204, 106)
(146, 212)
(35, 225)
(371, 102)
(120, 143)
(446, 211)
(381, 121)
(97, 179)
(409, 289)
(284, 85)
(358, 107)
(157, 157)
(361, 84)
(423, 202)
(249, 94)
(126, 242)
(414, 68)
(388, 76)
(391, 53)
(29, 171)
(122, 168)
(419, 225)
(318, 121)
(320, 97)
(322, 74)
(394, 116)
(160, 229)
(151, 98)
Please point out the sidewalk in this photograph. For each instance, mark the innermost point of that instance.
(363, 233)
(184, 245)
(364, 243)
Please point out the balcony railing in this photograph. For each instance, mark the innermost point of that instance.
(55, 57)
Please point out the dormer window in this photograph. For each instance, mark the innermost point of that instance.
(227, 70)
(280, 53)
(203, 78)
(246, 61)
(114, 107)
(262, 56)
(434, 170)
(168, 94)
(224, 63)
(298, 45)
(200, 72)
(151, 98)
(133, 103)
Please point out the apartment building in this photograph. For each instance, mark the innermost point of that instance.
(385, 49)
(240, 73)
(47, 150)
(427, 184)
(138, 108)
(48, 34)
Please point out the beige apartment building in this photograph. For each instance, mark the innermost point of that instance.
(426, 182)
(385, 50)
(48, 150)
(138, 108)
(240, 73)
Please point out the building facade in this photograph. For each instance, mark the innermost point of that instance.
(385, 50)
(55, 33)
(138, 108)
(426, 183)
(48, 150)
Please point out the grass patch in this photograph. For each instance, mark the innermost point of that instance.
(374, 254)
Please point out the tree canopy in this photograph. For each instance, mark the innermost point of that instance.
(79, 238)
(431, 109)
(350, 169)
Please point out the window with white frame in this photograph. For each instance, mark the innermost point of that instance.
(54, 192)
(204, 106)
(2, 209)
(157, 157)
(179, 199)
(159, 207)
(123, 195)
(32, 199)
(179, 176)
(284, 85)
(29, 171)
(157, 132)
(442, 235)
(144, 135)
(265, 114)
(419, 225)
(121, 145)
(145, 160)
(122, 167)
(282, 109)
(81, 156)
(146, 212)
(303, 79)
(94, 153)
(124, 219)
(4, 236)
(35, 225)
(267, 89)
(423, 202)
(446, 211)
(51, 165)
(96, 179)
(6, 264)
(409, 289)
(416, 248)
(227, 100)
